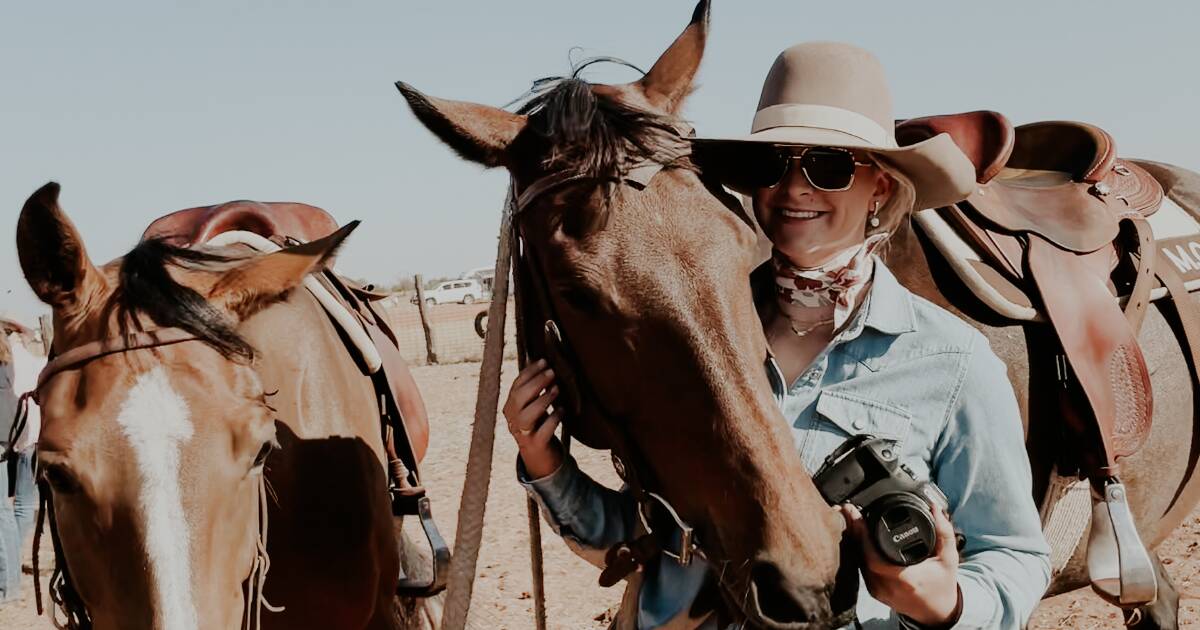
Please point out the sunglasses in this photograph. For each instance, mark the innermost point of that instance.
(749, 168)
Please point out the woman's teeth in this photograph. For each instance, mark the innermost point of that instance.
(800, 214)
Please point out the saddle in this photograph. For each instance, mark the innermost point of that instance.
(1058, 236)
(404, 423)
(192, 226)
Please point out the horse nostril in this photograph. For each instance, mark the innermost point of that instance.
(776, 600)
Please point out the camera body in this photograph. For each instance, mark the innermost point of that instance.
(898, 509)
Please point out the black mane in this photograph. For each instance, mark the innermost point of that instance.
(146, 287)
(594, 134)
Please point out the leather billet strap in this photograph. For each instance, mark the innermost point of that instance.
(121, 343)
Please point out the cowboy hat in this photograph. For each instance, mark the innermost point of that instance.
(834, 94)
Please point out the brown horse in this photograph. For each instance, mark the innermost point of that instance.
(1161, 477)
(650, 289)
(161, 455)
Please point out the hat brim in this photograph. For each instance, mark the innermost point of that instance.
(940, 172)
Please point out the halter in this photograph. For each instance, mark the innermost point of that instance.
(62, 590)
(652, 508)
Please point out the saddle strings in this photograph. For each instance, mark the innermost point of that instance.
(255, 600)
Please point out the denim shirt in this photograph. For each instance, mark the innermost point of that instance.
(904, 370)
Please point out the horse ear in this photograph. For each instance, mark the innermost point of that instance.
(669, 82)
(476, 132)
(51, 252)
(246, 289)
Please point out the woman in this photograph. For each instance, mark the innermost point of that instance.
(18, 373)
(828, 184)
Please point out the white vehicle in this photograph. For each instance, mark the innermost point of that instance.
(464, 291)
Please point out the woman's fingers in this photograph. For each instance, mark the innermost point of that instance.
(947, 544)
(529, 372)
(545, 433)
(527, 392)
(532, 380)
(527, 419)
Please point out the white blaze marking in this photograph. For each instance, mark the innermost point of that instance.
(154, 418)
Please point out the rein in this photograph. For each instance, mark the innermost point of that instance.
(62, 589)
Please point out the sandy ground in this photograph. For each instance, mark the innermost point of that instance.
(502, 590)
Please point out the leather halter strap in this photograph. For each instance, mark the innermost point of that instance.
(120, 343)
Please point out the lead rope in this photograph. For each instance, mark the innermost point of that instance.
(255, 600)
(483, 433)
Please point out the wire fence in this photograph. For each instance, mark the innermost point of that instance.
(455, 330)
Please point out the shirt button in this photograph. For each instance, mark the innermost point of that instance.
(858, 424)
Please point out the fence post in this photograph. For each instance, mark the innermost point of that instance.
(47, 330)
(430, 354)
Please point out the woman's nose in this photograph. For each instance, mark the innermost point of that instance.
(794, 181)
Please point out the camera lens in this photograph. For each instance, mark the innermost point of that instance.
(903, 529)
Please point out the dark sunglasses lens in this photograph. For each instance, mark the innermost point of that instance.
(828, 169)
(744, 168)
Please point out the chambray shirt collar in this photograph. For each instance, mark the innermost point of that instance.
(888, 307)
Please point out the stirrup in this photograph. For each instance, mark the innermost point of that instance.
(1119, 566)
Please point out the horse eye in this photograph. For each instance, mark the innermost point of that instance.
(579, 300)
(60, 478)
(263, 452)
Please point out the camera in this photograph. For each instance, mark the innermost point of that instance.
(897, 508)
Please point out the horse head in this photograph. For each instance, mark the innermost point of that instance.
(644, 261)
(155, 427)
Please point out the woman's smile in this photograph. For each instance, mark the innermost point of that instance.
(800, 213)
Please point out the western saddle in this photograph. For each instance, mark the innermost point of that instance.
(404, 424)
(1057, 236)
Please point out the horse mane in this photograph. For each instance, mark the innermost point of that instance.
(595, 134)
(146, 287)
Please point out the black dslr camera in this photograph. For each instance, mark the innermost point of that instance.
(866, 471)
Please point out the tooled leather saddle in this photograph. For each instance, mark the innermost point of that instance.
(1059, 238)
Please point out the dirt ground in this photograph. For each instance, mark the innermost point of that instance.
(502, 591)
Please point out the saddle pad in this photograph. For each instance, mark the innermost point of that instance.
(1177, 234)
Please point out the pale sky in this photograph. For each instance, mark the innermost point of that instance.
(139, 108)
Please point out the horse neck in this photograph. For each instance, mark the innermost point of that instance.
(320, 390)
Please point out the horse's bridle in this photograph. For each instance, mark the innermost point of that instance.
(62, 590)
(653, 509)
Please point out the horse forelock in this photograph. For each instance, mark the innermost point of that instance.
(146, 287)
(596, 132)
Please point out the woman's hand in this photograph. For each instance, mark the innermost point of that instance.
(926, 592)
(531, 394)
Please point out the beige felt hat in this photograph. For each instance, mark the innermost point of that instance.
(835, 94)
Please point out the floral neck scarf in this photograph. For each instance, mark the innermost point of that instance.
(838, 282)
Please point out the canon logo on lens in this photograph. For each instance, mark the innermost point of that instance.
(902, 535)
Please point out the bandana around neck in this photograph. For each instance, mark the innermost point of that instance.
(838, 282)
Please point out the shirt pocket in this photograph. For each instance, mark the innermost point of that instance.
(841, 415)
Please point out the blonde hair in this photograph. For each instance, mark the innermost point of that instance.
(900, 206)
(5, 348)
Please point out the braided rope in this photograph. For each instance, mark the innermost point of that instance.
(479, 460)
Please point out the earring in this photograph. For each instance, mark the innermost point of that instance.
(875, 216)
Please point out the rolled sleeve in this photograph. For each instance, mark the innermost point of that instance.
(588, 515)
(981, 464)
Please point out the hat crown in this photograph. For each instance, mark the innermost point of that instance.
(830, 74)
